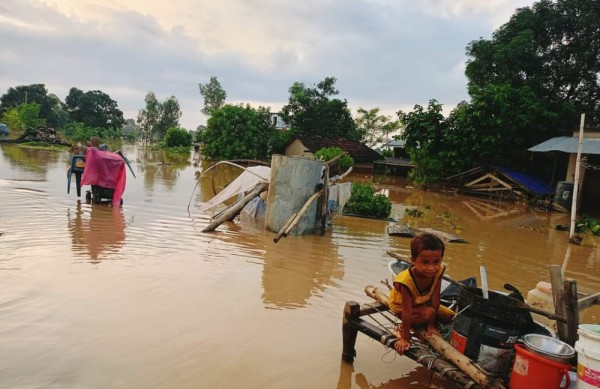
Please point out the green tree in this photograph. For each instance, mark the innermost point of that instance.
(373, 127)
(169, 115)
(29, 114)
(34, 93)
(157, 117)
(237, 132)
(424, 132)
(178, 137)
(13, 119)
(94, 109)
(23, 116)
(539, 71)
(341, 165)
(148, 117)
(312, 111)
(213, 94)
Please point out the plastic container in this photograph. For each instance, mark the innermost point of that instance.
(564, 194)
(588, 356)
(541, 297)
(485, 330)
(531, 370)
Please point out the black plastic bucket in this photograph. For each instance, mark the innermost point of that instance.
(564, 194)
(485, 330)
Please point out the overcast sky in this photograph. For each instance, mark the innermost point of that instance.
(390, 54)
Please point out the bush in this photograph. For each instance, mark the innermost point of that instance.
(176, 137)
(341, 165)
(363, 201)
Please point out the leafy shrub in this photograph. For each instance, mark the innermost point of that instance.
(340, 165)
(586, 223)
(363, 201)
(176, 137)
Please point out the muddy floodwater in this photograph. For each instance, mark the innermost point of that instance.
(138, 297)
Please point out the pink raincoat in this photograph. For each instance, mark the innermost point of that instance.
(106, 169)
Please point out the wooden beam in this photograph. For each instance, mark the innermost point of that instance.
(572, 308)
(349, 332)
(235, 208)
(588, 301)
(558, 295)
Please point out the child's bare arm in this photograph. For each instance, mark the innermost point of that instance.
(407, 312)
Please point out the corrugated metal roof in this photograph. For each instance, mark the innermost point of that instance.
(568, 144)
(394, 143)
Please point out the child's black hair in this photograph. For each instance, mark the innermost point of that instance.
(425, 241)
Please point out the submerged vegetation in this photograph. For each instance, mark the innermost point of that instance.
(365, 202)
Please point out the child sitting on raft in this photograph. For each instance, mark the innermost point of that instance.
(415, 297)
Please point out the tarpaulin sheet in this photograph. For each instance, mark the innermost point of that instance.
(528, 181)
(106, 169)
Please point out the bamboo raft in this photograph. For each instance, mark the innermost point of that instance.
(446, 361)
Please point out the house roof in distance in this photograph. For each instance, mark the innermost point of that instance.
(358, 151)
(568, 144)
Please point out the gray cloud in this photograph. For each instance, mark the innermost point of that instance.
(389, 56)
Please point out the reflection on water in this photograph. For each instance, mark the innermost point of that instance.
(97, 229)
(290, 281)
(166, 305)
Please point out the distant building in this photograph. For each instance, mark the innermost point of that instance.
(278, 122)
(306, 146)
(589, 174)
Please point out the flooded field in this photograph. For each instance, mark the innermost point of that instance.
(138, 297)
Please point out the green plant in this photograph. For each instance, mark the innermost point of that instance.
(415, 212)
(178, 137)
(587, 223)
(340, 165)
(363, 201)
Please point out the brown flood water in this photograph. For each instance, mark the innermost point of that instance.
(139, 297)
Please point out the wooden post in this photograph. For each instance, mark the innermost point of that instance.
(325, 201)
(574, 202)
(572, 309)
(558, 296)
(473, 370)
(351, 311)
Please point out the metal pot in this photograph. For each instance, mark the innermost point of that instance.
(549, 347)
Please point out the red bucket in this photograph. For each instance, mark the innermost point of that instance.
(531, 370)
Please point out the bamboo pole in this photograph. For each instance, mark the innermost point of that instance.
(325, 200)
(473, 370)
(235, 208)
(286, 225)
(301, 212)
(576, 180)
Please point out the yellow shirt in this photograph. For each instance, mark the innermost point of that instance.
(419, 297)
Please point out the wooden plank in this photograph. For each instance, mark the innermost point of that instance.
(572, 309)
(475, 181)
(558, 296)
(588, 301)
(349, 332)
